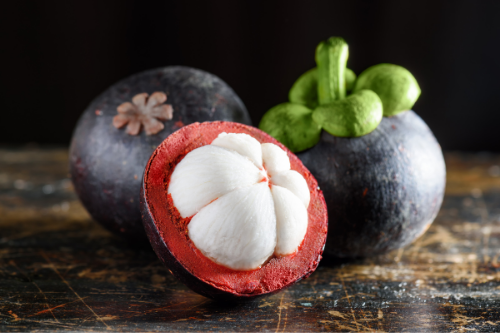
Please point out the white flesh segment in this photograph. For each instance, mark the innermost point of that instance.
(275, 159)
(241, 143)
(293, 181)
(238, 230)
(206, 174)
(291, 221)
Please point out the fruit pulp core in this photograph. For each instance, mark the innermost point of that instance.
(240, 219)
(278, 272)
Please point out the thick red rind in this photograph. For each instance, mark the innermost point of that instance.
(186, 262)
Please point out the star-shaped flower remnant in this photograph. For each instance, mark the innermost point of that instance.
(144, 111)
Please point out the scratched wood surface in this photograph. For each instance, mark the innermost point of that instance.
(59, 270)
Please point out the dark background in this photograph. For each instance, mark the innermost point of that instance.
(57, 55)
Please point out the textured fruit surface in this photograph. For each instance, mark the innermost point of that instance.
(107, 164)
(168, 230)
(383, 189)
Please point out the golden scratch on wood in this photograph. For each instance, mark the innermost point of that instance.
(284, 325)
(462, 319)
(44, 322)
(366, 319)
(380, 315)
(109, 317)
(279, 314)
(348, 300)
(337, 314)
(357, 294)
(13, 263)
(16, 317)
(46, 302)
(265, 304)
(71, 288)
(348, 327)
(459, 318)
(55, 307)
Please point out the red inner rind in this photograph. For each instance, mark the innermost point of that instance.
(278, 272)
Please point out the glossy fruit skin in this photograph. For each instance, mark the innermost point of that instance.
(163, 225)
(383, 190)
(107, 164)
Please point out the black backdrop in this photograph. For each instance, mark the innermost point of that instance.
(57, 55)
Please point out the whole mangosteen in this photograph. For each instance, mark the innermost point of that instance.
(380, 167)
(231, 212)
(107, 160)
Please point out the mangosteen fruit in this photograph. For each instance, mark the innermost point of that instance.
(231, 212)
(120, 129)
(380, 167)
(383, 189)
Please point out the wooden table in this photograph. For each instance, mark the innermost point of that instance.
(59, 270)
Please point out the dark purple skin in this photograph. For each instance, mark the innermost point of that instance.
(382, 190)
(107, 164)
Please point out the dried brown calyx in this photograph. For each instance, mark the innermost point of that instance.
(146, 111)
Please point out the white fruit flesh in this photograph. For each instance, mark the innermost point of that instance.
(252, 242)
(206, 174)
(275, 159)
(245, 202)
(293, 181)
(290, 217)
(241, 143)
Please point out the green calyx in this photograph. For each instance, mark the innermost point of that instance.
(356, 115)
(320, 99)
(395, 85)
(331, 59)
(305, 90)
(292, 125)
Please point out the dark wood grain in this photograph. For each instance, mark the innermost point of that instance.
(59, 270)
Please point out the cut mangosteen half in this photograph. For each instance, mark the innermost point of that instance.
(231, 212)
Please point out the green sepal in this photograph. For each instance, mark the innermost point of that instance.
(292, 125)
(331, 60)
(350, 79)
(305, 90)
(356, 115)
(395, 85)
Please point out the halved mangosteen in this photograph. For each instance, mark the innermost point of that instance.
(231, 212)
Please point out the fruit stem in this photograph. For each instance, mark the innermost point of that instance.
(331, 59)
